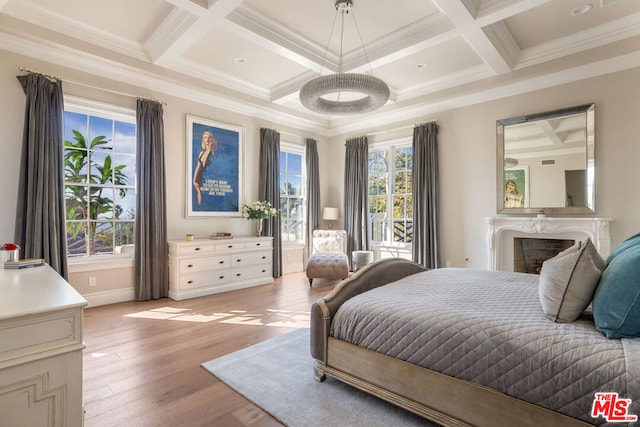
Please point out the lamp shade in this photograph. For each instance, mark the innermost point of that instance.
(330, 214)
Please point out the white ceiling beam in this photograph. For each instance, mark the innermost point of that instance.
(258, 28)
(490, 11)
(422, 34)
(189, 6)
(549, 132)
(44, 17)
(475, 36)
(168, 44)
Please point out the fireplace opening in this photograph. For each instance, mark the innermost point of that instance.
(529, 253)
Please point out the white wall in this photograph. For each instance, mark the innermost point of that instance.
(467, 150)
(466, 146)
(116, 283)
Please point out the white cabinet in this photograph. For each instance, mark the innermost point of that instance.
(40, 349)
(204, 266)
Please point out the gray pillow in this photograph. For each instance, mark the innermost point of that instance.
(568, 281)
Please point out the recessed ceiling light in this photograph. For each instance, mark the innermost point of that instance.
(240, 60)
(581, 10)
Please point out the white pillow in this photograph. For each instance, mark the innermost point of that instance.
(569, 280)
(327, 245)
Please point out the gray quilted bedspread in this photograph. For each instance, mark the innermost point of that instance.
(488, 327)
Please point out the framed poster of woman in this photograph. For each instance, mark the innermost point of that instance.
(516, 187)
(214, 168)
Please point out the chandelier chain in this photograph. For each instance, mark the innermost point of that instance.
(364, 49)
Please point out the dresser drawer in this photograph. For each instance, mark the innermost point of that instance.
(229, 246)
(204, 279)
(265, 244)
(207, 266)
(251, 258)
(195, 249)
(251, 272)
(194, 265)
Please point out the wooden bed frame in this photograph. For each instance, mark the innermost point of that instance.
(443, 399)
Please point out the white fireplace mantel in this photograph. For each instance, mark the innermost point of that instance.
(502, 231)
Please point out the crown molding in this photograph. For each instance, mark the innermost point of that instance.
(50, 52)
(38, 15)
(604, 34)
(434, 106)
(302, 50)
(468, 75)
(173, 27)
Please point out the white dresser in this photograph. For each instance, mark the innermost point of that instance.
(40, 349)
(205, 266)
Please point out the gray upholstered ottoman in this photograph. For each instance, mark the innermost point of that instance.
(327, 266)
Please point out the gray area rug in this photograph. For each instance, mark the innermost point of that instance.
(277, 375)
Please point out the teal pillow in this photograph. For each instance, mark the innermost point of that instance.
(630, 242)
(616, 303)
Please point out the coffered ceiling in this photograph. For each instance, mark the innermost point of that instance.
(253, 56)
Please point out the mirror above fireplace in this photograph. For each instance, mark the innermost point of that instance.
(546, 161)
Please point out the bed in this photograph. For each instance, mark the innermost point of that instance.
(468, 347)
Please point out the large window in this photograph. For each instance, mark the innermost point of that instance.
(390, 194)
(292, 181)
(99, 170)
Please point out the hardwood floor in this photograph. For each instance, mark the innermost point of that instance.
(142, 359)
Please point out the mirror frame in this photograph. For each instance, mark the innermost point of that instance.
(589, 110)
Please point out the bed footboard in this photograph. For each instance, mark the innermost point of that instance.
(371, 276)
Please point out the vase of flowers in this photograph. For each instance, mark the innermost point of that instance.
(258, 211)
(9, 252)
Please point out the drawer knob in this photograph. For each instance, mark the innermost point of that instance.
(221, 277)
(220, 262)
(197, 249)
(264, 271)
(264, 257)
(230, 246)
(257, 244)
(238, 274)
(190, 282)
(190, 265)
(238, 260)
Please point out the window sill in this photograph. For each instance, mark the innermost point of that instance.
(79, 265)
(290, 244)
(406, 246)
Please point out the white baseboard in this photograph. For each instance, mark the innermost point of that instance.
(110, 297)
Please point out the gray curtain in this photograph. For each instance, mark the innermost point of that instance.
(425, 195)
(313, 193)
(151, 253)
(269, 189)
(40, 217)
(356, 201)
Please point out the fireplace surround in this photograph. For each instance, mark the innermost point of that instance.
(504, 229)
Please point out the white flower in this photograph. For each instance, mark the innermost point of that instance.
(258, 210)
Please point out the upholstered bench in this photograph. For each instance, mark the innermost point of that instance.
(327, 266)
(328, 259)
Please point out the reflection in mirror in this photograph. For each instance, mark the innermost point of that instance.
(546, 162)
